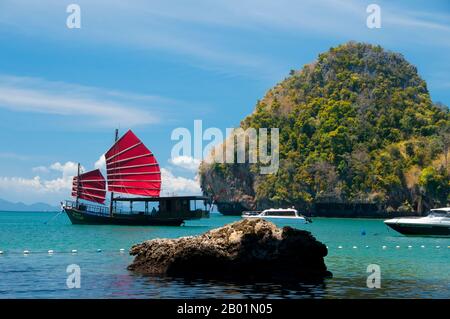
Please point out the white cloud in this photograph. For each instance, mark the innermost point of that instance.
(142, 25)
(14, 156)
(409, 20)
(101, 163)
(39, 189)
(23, 184)
(68, 168)
(40, 169)
(186, 162)
(53, 190)
(31, 190)
(178, 25)
(99, 106)
(172, 184)
(204, 34)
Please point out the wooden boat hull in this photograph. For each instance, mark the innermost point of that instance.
(83, 218)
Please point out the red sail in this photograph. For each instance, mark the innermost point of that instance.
(90, 186)
(132, 168)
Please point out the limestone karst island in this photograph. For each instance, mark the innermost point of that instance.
(359, 136)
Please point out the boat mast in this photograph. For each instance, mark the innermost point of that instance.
(78, 185)
(112, 193)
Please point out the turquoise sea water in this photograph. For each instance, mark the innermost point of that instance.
(406, 272)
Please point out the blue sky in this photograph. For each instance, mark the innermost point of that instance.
(154, 66)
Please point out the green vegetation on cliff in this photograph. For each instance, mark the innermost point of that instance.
(357, 125)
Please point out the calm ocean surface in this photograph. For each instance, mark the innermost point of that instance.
(406, 272)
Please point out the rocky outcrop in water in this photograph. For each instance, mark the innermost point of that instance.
(241, 250)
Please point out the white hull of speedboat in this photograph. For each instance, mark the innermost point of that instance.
(431, 225)
(288, 216)
(274, 219)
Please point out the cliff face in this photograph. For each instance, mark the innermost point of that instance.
(229, 183)
(357, 125)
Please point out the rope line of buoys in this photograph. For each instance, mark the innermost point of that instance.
(27, 252)
(386, 247)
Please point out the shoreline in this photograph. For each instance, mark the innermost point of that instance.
(388, 215)
(385, 216)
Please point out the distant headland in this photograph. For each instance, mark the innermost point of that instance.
(21, 207)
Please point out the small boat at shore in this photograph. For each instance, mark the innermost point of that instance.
(131, 169)
(278, 215)
(436, 223)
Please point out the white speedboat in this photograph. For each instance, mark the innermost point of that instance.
(278, 215)
(436, 223)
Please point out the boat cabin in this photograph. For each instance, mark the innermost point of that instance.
(288, 212)
(187, 207)
(440, 212)
(193, 206)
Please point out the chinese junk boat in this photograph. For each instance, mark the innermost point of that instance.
(133, 170)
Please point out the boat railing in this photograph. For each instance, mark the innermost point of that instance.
(88, 208)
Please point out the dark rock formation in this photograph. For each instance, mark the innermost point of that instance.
(241, 250)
